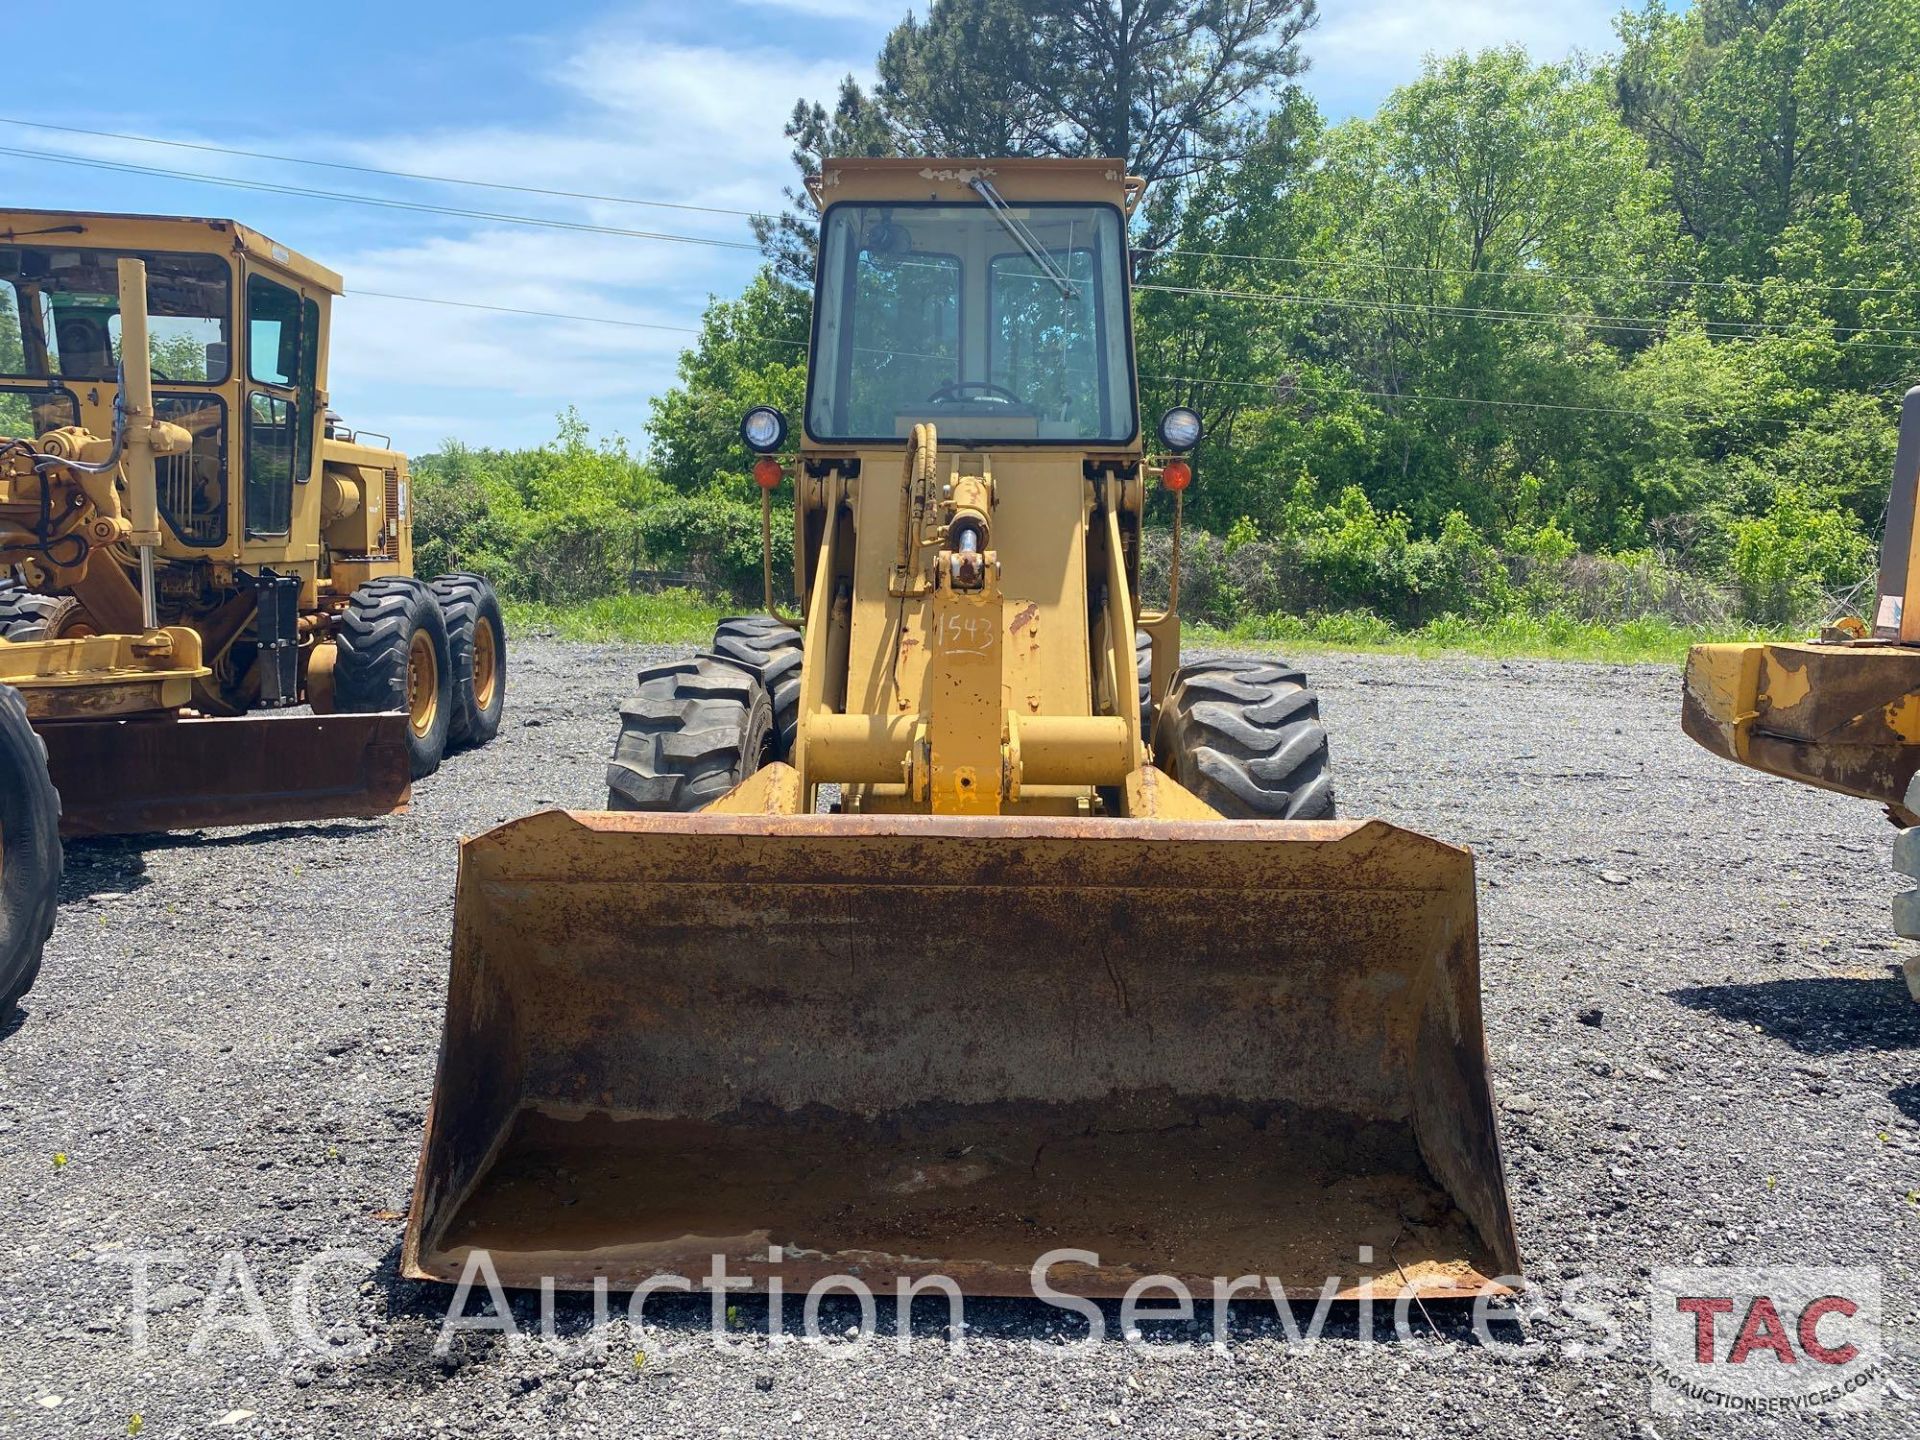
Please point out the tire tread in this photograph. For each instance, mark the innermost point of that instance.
(23, 938)
(692, 731)
(1244, 735)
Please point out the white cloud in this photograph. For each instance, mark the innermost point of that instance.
(633, 116)
(658, 101)
(693, 125)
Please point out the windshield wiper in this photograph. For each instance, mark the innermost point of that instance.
(1004, 214)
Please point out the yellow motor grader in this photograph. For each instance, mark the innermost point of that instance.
(1841, 712)
(190, 546)
(911, 941)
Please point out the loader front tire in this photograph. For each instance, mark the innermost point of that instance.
(772, 651)
(692, 731)
(1143, 673)
(477, 643)
(30, 858)
(27, 615)
(1244, 736)
(393, 655)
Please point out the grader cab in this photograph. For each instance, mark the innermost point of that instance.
(190, 543)
(962, 920)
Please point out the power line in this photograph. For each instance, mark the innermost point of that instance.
(1726, 330)
(1165, 379)
(1625, 325)
(1246, 257)
(1736, 283)
(388, 174)
(377, 201)
(1298, 262)
(1271, 386)
(555, 315)
(1633, 324)
(630, 324)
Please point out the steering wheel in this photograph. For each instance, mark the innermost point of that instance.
(957, 393)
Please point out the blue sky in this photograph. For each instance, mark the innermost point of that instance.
(671, 101)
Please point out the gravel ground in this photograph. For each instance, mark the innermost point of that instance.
(1702, 1049)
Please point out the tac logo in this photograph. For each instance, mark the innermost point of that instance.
(1765, 1340)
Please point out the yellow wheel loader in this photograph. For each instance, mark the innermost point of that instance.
(190, 542)
(1842, 712)
(912, 941)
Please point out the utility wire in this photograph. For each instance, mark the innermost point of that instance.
(388, 174)
(1637, 324)
(1738, 282)
(377, 201)
(1628, 325)
(1164, 379)
(557, 315)
(1303, 262)
(1271, 386)
(1733, 329)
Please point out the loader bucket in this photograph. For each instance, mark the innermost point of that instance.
(895, 1046)
(143, 776)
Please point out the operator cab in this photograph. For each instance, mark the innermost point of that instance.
(1002, 323)
(236, 325)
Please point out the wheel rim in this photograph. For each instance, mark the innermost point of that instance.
(423, 684)
(486, 665)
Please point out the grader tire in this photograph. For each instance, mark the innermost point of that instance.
(30, 858)
(27, 615)
(393, 655)
(477, 643)
(1143, 671)
(693, 731)
(772, 651)
(1245, 737)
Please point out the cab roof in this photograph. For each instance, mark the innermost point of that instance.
(1018, 180)
(107, 230)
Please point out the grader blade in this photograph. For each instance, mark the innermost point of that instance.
(905, 1045)
(144, 776)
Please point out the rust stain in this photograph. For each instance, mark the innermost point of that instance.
(1322, 1120)
(1786, 681)
(1023, 618)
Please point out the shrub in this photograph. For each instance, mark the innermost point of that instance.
(1787, 561)
(715, 537)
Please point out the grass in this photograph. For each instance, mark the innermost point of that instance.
(684, 617)
(1556, 637)
(672, 617)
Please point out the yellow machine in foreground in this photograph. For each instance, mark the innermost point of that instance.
(915, 942)
(187, 537)
(1841, 713)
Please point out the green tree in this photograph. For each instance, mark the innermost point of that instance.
(856, 126)
(1761, 112)
(1166, 85)
(751, 351)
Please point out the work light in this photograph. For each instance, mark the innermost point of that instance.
(764, 429)
(1180, 429)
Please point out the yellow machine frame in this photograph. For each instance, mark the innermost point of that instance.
(1841, 713)
(1013, 979)
(349, 514)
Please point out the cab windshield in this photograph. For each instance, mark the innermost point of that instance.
(1008, 326)
(60, 314)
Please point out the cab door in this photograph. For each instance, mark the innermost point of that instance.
(283, 356)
